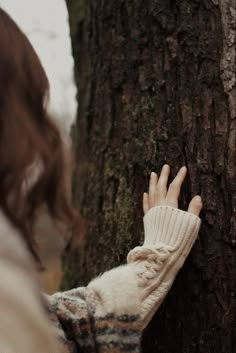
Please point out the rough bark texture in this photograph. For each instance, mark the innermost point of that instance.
(157, 84)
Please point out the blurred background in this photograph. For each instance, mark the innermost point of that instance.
(48, 31)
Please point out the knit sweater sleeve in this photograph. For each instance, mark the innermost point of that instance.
(169, 236)
(109, 314)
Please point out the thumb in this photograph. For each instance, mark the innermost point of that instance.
(195, 205)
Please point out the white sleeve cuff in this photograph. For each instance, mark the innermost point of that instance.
(169, 226)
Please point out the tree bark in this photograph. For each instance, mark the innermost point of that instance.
(157, 84)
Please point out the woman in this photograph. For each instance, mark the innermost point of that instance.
(100, 317)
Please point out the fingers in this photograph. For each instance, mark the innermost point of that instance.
(195, 205)
(158, 194)
(175, 186)
(162, 182)
(152, 188)
(145, 203)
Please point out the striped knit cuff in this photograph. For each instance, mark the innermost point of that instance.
(169, 226)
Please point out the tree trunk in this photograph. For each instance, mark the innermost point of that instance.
(157, 84)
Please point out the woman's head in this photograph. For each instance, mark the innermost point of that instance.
(27, 135)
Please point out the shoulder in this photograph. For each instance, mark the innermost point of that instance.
(13, 248)
(21, 309)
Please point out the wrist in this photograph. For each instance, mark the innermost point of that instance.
(169, 226)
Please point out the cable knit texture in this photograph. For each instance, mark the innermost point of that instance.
(169, 236)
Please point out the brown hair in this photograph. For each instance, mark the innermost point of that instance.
(27, 136)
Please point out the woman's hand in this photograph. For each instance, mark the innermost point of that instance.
(158, 194)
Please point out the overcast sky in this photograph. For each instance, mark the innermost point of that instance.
(46, 24)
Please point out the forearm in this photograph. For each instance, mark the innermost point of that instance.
(169, 236)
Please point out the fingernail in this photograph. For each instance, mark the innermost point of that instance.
(153, 174)
(198, 198)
